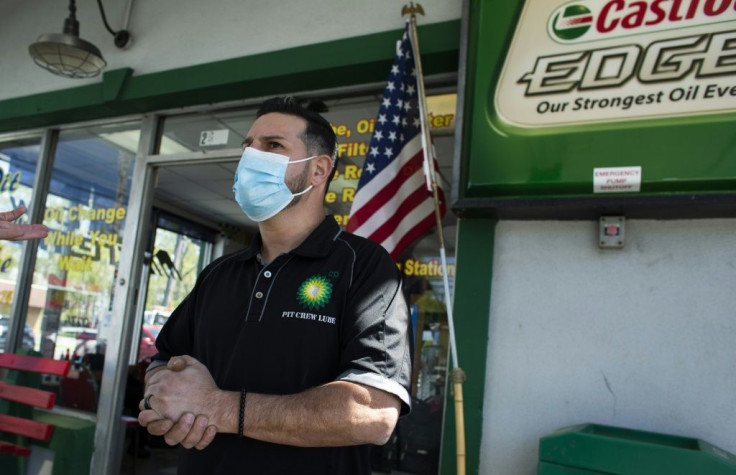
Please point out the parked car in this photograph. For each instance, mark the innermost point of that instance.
(85, 343)
(68, 339)
(76, 342)
(29, 339)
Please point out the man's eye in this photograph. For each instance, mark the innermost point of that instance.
(274, 145)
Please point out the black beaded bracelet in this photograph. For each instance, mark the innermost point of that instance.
(241, 423)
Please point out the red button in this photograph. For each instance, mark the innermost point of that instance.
(612, 230)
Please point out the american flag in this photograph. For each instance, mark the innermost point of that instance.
(393, 205)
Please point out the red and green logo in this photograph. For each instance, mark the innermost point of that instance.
(570, 22)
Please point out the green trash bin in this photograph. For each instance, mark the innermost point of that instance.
(599, 449)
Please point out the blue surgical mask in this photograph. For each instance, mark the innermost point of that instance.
(259, 186)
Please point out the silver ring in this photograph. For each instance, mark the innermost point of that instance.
(147, 402)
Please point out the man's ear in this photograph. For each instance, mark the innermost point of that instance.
(322, 170)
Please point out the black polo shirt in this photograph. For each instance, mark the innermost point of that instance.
(331, 309)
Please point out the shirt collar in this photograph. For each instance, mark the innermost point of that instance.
(317, 244)
(321, 240)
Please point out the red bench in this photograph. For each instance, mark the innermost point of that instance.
(14, 390)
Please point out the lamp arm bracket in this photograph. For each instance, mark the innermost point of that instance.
(121, 37)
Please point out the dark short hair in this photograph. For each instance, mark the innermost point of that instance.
(318, 135)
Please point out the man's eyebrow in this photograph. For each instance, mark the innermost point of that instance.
(263, 138)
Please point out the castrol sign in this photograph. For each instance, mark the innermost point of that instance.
(589, 21)
(598, 61)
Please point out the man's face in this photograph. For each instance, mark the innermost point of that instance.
(279, 133)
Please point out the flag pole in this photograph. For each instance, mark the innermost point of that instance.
(457, 374)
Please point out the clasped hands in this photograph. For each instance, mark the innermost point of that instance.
(181, 401)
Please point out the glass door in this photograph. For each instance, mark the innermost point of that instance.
(180, 250)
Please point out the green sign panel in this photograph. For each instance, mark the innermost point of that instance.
(599, 99)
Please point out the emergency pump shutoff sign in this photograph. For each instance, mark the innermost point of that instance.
(588, 61)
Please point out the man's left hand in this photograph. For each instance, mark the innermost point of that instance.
(176, 394)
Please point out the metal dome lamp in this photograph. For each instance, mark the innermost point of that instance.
(68, 55)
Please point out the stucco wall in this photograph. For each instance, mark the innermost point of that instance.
(170, 34)
(641, 337)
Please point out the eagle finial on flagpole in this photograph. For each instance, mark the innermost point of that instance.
(412, 9)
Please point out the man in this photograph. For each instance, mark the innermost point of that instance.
(10, 231)
(295, 351)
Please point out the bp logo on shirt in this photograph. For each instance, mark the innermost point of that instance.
(315, 292)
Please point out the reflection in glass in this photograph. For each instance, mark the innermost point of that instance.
(77, 262)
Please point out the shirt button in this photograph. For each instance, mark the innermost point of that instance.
(259, 295)
(267, 273)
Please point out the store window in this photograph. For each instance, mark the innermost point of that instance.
(18, 160)
(77, 262)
